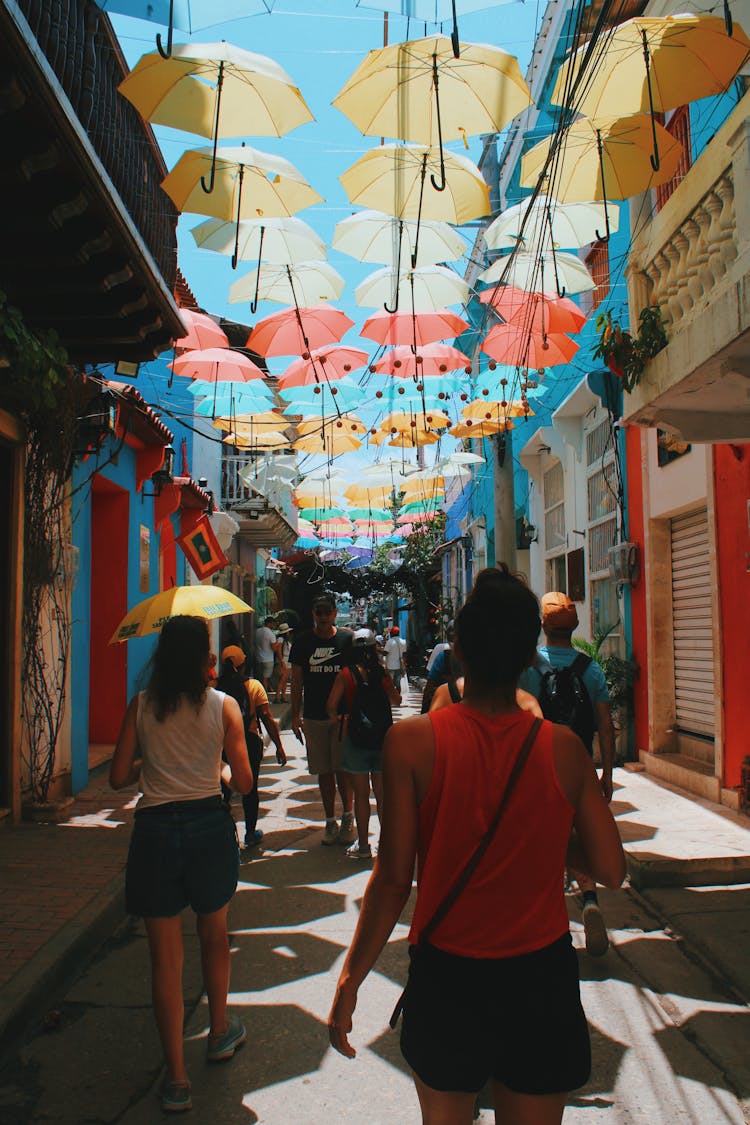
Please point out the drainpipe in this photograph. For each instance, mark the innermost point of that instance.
(505, 501)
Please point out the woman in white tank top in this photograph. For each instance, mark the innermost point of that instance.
(184, 845)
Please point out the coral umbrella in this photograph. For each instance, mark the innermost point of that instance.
(420, 328)
(507, 343)
(202, 332)
(294, 331)
(332, 361)
(216, 365)
(431, 360)
(537, 312)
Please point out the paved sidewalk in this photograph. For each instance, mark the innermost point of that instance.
(61, 886)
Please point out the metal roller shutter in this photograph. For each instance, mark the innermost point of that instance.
(692, 622)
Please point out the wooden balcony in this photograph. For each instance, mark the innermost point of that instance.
(693, 260)
(88, 236)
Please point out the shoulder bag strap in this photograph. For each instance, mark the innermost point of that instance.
(474, 860)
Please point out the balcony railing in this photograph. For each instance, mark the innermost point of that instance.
(78, 41)
(236, 494)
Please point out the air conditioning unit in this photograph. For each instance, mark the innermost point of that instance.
(624, 565)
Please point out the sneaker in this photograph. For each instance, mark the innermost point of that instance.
(356, 852)
(347, 833)
(331, 834)
(253, 838)
(597, 939)
(222, 1047)
(175, 1097)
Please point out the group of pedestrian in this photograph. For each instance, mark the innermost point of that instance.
(271, 646)
(490, 801)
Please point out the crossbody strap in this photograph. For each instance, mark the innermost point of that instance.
(474, 860)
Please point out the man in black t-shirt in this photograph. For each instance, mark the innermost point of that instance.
(316, 658)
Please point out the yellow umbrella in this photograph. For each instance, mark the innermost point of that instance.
(330, 442)
(429, 420)
(476, 430)
(369, 495)
(241, 422)
(347, 422)
(196, 601)
(264, 439)
(419, 91)
(390, 178)
(491, 409)
(608, 160)
(272, 186)
(654, 65)
(412, 439)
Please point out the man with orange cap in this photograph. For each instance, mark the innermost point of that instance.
(560, 675)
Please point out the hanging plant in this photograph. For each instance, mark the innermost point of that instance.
(627, 355)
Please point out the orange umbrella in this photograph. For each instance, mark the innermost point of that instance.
(432, 359)
(477, 430)
(216, 365)
(295, 331)
(332, 361)
(518, 347)
(413, 328)
(537, 312)
(202, 332)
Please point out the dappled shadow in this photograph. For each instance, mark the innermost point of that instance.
(277, 839)
(617, 808)
(311, 811)
(305, 867)
(262, 961)
(631, 831)
(393, 963)
(282, 907)
(308, 793)
(723, 1033)
(607, 1055)
(659, 962)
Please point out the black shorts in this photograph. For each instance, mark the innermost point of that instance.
(517, 1020)
(182, 854)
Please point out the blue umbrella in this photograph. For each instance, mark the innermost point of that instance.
(432, 11)
(307, 542)
(255, 390)
(185, 15)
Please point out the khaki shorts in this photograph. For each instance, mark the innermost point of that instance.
(324, 750)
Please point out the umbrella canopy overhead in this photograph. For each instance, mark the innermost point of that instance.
(294, 331)
(185, 15)
(507, 343)
(328, 442)
(609, 159)
(425, 327)
(215, 365)
(216, 89)
(391, 177)
(532, 272)
(202, 332)
(539, 312)
(424, 289)
(419, 91)
(432, 359)
(308, 283)
(373, 236)
(281, 240)
(332, 361)
(545, 223)
(199, 601)
(248, 184)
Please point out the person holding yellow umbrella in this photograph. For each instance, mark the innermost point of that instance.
(183, 850)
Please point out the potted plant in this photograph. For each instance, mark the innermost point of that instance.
(625, 354)
(620, 675)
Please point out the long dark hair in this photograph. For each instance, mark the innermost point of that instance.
(366, 656)
(497, 629)
(179, 664)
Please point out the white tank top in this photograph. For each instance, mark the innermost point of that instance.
(182, 754)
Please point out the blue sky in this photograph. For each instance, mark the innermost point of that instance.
(319, 45)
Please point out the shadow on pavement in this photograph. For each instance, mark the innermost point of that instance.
(282, 907)
(262, 961)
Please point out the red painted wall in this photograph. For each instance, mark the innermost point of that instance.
(168, 548)
(109, 604)
(633, 457)
(731, 496)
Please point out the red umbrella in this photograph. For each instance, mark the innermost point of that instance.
(217, 365)
(537, 312)
(332, 361)
(202, 332)
(432, 359)
(294, 331)
(413, 328)
(507, 343)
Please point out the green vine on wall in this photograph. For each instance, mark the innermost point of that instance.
(38, 386)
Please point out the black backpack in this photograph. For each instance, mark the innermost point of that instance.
(564, 699)
(370, 714)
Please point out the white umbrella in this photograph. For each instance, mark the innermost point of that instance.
(425, 289)
(282, 240)
(373, 236)
(308, 283)
(570, 224)
(532, 272)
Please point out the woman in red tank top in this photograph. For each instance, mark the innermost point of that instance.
(493, 994)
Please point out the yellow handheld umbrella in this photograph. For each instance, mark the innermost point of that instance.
(248, 184)
(609, 159)
(196, 601)
(654, 65)
(419, 91)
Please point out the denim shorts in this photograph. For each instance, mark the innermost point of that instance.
(358, 759)
(182, 854)
(517, 1020)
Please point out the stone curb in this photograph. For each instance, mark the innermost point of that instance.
(708, 872)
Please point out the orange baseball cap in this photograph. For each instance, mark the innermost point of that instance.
(558, 611)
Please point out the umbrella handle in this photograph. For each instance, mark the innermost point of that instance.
(605, 237)
(728, 18)
(441, 185)
(454, 34)
(654, 158)
(254, 302)
(398, 268)
(219, 85)
(168, 53)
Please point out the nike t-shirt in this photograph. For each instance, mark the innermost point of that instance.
(320, 660)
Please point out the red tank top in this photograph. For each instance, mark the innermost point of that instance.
(514, 902)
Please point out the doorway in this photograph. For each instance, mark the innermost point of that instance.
(110, 511)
